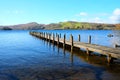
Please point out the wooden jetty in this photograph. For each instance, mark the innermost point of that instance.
(111, 53)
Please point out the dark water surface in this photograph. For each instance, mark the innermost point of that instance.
(24, 57)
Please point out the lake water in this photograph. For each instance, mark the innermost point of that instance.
(25, 57)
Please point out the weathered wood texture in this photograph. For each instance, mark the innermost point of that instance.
(110, 52)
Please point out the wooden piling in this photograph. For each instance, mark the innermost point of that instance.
(58, 40)
(56, 34)
(71, 40)
(109, 59)
(49, 37)
(40, 34)
(87, 51)
(64, 38)
(60, 35)
(79, 37)
(53, 38)
(44, 36)
(89, 39)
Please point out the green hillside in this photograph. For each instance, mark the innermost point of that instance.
(79, 25)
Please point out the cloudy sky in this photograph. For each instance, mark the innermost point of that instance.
(53, 11)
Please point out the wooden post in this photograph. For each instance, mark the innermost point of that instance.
(49, 37)
(53, 38)
(64, 41)
(79, 37)
(56, 34)
(71, 40)
(109, 58)
(87, 51)
(58, 40)
(40, 35)
(60, 35)
(44, 36)
(89, 39)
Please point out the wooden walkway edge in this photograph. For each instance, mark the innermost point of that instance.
(111, 53)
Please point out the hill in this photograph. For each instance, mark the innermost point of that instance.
(28, 26)
(63, 25)
(80, 25)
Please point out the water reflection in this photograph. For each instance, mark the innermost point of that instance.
(72, 58)
(94, 59)
(64, 52)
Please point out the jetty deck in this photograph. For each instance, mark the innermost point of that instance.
(111, 53)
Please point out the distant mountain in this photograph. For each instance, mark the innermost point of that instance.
(28, 26)
(63, 25)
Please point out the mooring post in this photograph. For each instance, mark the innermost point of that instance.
(89, 39)
(87, 51)
(53, 38)
(71, 39)
(56, 34)
(58, 40)
(109, 58)
(40, 34)
(60, 35)
(49, 37)
(44, 34)
(79, 37)
(64, 38)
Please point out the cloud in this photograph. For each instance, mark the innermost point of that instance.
(117, 12)
(82, 14)
(102, 14)
(74, 20)
(115, 18)
(97, 20)
(15, 12)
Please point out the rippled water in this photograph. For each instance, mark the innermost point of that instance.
(24, 57)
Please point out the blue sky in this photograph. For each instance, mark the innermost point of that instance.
(52, 11)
